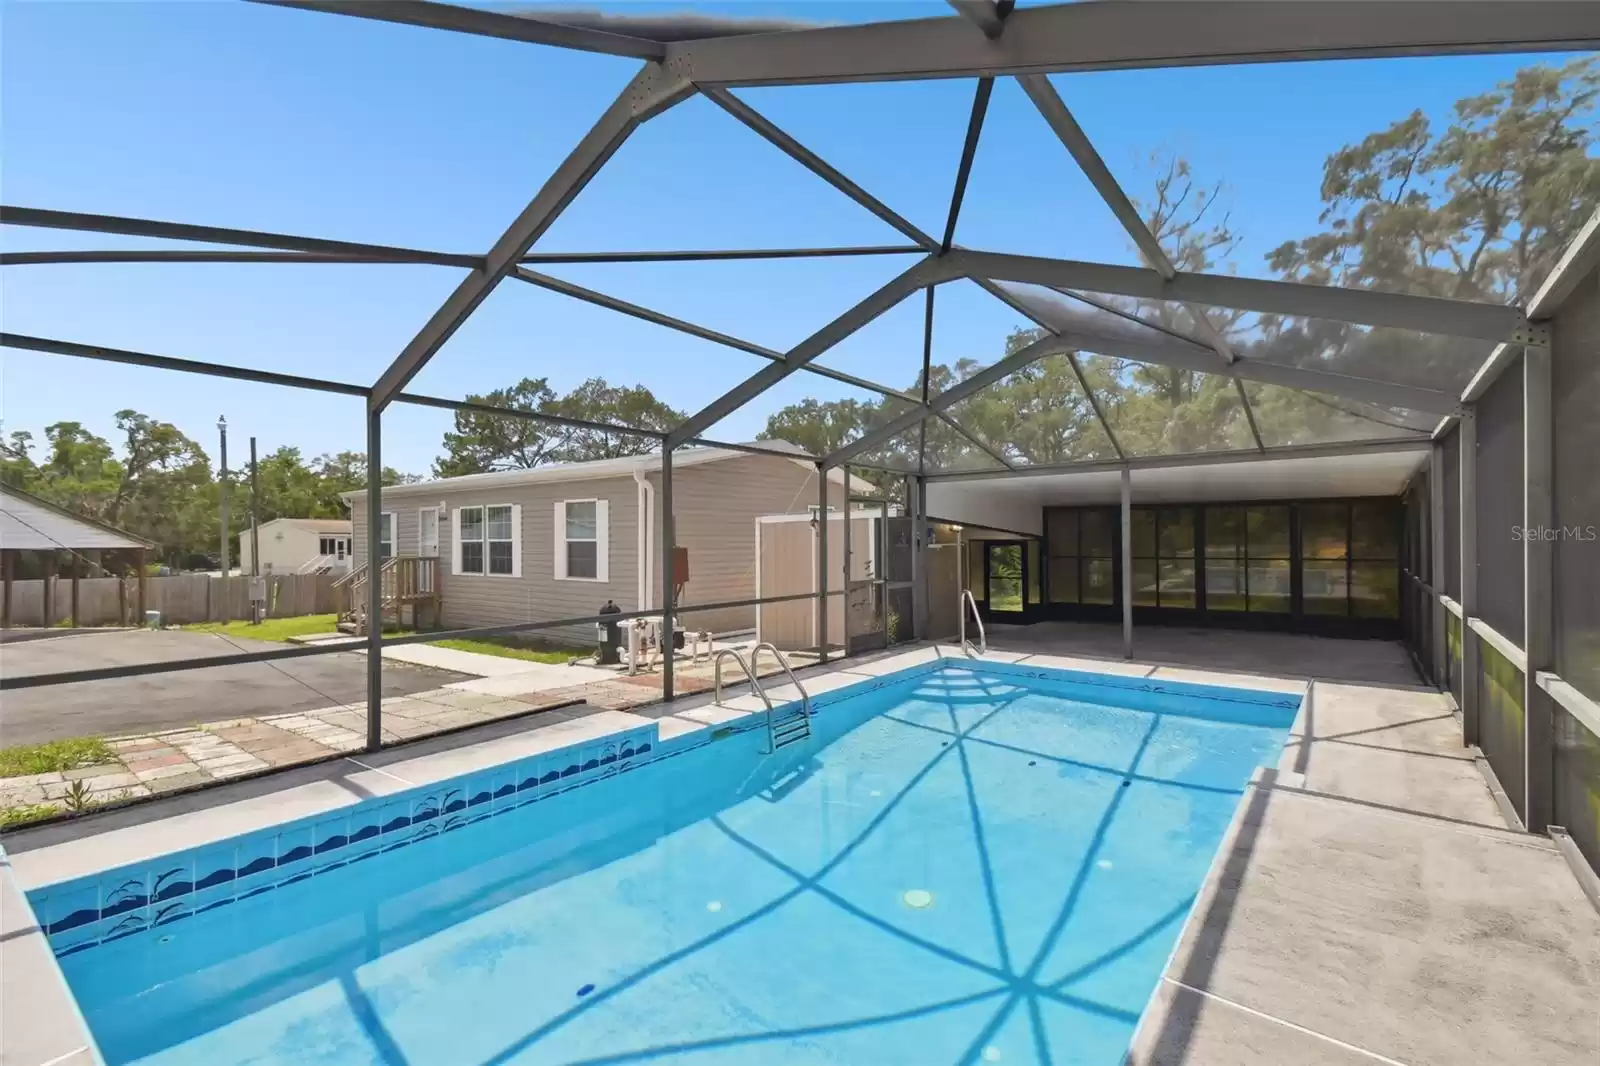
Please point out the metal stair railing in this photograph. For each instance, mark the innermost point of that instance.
(778, 734)
(967, 600)
(796, 727)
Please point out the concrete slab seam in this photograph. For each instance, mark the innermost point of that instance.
(1373, 1055)
(385, 773)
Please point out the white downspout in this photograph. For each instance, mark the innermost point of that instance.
(646, 526)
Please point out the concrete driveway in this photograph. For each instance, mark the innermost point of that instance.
(169, 701)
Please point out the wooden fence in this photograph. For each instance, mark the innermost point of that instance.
(182, 599)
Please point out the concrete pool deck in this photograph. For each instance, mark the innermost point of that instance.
(1370, 903)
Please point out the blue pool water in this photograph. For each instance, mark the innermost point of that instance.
(965, 865)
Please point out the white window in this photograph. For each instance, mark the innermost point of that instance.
(488, 539)
(325, 545)
(386, 535)
(582, 540)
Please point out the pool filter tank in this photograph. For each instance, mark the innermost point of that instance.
(610, 635)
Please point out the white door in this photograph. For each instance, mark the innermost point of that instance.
(428, 542)
(428, 532)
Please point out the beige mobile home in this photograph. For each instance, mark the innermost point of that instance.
(559, 541)
(300, 546)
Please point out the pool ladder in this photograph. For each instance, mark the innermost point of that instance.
(983, 638)
(794, 726)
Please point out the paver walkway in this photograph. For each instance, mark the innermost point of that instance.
(212, 751)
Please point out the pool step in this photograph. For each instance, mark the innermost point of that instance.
(791, 730)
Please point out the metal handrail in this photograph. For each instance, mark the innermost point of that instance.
(783, 661)
(716, 678)
(983, 637)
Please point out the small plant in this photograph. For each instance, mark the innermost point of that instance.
(78, 798)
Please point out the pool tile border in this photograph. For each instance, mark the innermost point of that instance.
(97, 908)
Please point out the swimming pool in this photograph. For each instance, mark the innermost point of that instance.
(969, 862)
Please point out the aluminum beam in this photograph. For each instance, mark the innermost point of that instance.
(50, 346)
(483, 23)
(969, 149)
(755, 449)
(374, 589)
(1159, 462)
(1066, 128)
(1436, 568)
(1040, 348)
(294, 381)
(650, 92)
(1426, 314)
(1155, 33)
(786, 144)
(1126, 516)
(1576, 262)
(984, 14)
(664, 519)
(891, 293)
(1539, 597)
(165, 255)
(977, 441)
(600, 299)
(1471, 659)
(702, 255)
(43, 218)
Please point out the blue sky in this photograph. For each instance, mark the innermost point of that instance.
(238, 115)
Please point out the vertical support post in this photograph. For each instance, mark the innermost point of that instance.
(668, 572)
(1538, 555)
(222, 522)
(8, 566)
(919, 556)
(257, 608)
(374, 632)
(845, 512)
(1436, 569)
(76, 562)
(1127, 563)
(1471, 668)
(139, 561)
(822, 563)
(48, 589)
(122, 591)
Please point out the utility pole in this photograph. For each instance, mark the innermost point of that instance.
(222, 485)
(257, 603)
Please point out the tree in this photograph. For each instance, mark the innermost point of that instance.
(596, 401)
(1480, 210)
(482, 442)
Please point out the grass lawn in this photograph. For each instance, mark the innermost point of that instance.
(509, 648)
(272, 628)
(54, 757)
(27, 812)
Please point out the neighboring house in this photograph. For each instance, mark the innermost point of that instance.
(558, 541)
(300, 546)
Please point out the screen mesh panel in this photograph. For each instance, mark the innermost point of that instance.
(1501, 725)
(1575, 384)
(1500, 511)
(1452, 514)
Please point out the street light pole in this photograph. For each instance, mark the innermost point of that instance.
(222, 484)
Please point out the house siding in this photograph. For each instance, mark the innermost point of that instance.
(716, 504)
(470, 600)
